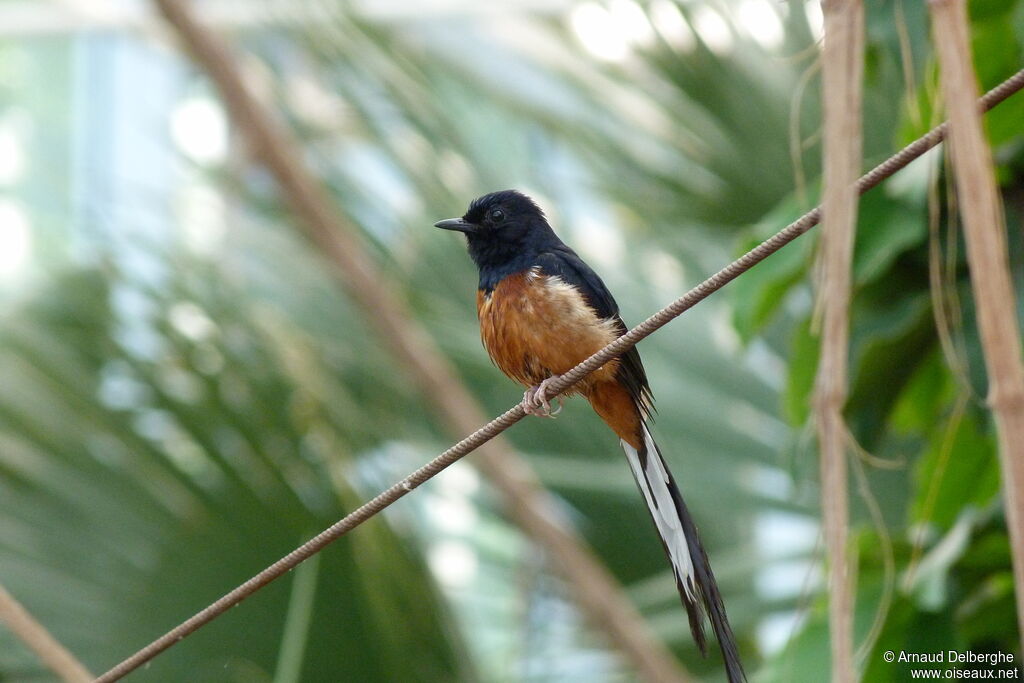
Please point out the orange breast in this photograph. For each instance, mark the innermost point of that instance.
(534, 326)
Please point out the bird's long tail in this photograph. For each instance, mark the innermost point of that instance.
(694, 578)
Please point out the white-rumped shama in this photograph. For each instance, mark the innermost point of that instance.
(543, 311)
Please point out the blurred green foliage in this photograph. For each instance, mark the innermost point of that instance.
(939, 553)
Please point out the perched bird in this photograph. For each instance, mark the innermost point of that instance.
(542, 311)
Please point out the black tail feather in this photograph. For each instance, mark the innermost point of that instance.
(701, 596)
(712, 598)
(695, 612)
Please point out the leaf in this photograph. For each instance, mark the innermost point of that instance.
(144, 512)
(921, 407)
(803, 366)
(908, 630)
(886, 228)
(891, 336)
(959, 470)
(997, 52)
(931, 585)
(761, 292)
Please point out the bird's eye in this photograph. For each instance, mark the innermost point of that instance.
(497, 216)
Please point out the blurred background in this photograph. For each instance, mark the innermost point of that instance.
(186, 393)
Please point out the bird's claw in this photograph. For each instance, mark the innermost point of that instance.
(536, 402)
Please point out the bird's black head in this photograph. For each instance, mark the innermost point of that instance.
(504, 231)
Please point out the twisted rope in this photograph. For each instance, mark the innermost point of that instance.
(556, 386)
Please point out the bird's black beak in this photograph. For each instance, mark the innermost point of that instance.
(455, 224)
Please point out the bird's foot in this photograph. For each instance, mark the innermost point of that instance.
(536, 402)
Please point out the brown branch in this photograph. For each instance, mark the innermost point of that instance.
(985, 236)
(35, 636)
(560, 384)
(843, 65)
(321, 222)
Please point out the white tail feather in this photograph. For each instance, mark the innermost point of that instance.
(653, 480)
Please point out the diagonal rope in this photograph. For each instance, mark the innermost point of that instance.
(557, 385)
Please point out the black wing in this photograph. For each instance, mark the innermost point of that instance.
(564, 263)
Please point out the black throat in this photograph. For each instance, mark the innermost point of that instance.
(496, 258)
